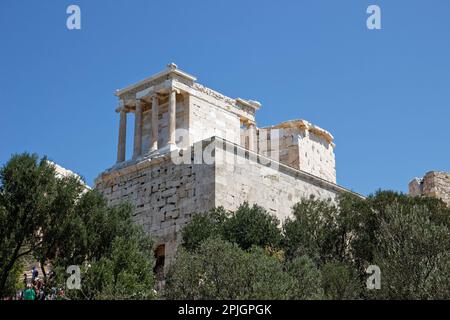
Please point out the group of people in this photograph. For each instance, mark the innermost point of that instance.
(40, 289)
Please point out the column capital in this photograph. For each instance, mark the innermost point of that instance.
(172, 89)
(251, 135)
(138, 103)
(156, 95)
(249, 123)
(121, 109)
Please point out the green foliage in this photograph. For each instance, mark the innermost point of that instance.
(247, 227)
(27, 191)
(340, 282)
(14, 282)
(221, 270)
(266, 278)
(252, 226)
(124, 273)
(117, 257)
(312, 231)
(58, 223)
(202, 226)
(307, 277)
(413, 253)
(323, 251)
(56, 220)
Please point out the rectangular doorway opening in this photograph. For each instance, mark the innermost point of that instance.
(160, 257)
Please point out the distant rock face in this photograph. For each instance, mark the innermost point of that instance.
(63, 172)
(415, 187)
(434, 184)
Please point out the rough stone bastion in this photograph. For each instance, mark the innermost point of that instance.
(195, 149)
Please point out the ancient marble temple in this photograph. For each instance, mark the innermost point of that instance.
(227, 158)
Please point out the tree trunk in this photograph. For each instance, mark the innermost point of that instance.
(8, 267)
(42, 262)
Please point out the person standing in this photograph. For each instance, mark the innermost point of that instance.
(25, 280)
(34, 273)
(29, 293)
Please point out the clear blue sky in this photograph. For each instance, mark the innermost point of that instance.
(385, 95)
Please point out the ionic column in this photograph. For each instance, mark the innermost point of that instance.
(122, 136)
(137, 130)
(172, 118)
(154, 142)
(251, 136)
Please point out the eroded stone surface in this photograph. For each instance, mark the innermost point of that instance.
(434, 184)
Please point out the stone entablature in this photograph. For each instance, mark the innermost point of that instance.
(434, 184)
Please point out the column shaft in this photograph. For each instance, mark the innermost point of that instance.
(154, 142)
(172, 118)
(137, 130)
(251, 137)
(122, 136)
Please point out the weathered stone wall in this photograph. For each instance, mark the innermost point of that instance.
(317, 156)
(274, 186)
(208, 120)
(434, 184)
(164, 195)
(301, 149)
(437, 184)
(286, 148)
(415, 187)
